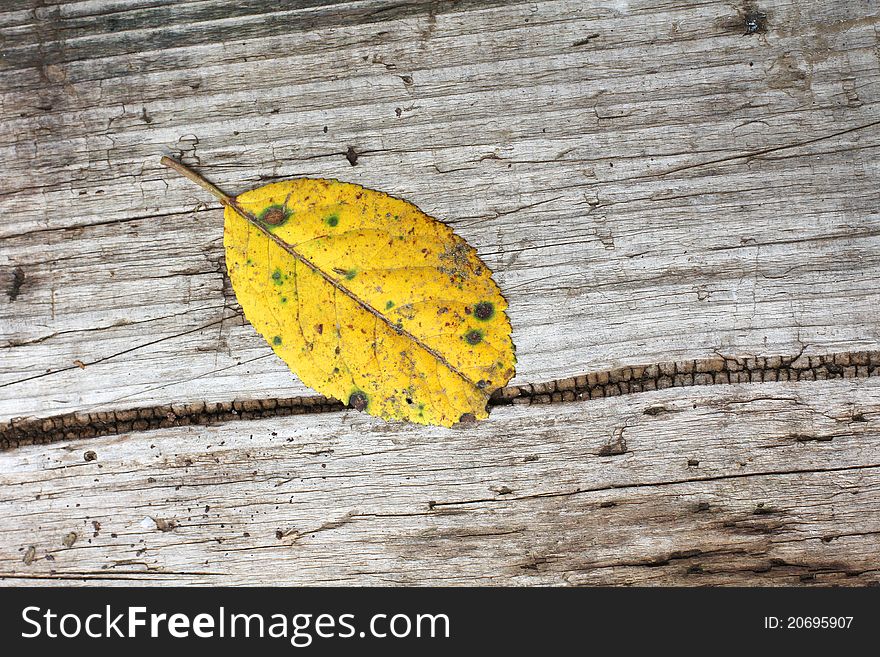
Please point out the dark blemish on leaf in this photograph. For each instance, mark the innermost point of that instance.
(473, 337)
(389, 305)
(482, 384)
(409, 400)
(467, 418)
(358, 400)
(283, 299)
(332, 220)
(319, 328)
(17, 282)
(276, 340)
(275, 215)
(276, 276)
(467, 310)
(484, 310)
(352, 156)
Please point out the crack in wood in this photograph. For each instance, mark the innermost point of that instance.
(19, 432)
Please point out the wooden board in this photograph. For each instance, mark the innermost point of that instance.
(770, 484)
(651, 183)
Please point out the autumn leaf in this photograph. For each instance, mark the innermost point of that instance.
(367, 299)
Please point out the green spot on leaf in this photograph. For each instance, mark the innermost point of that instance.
(332, 220)
(276, 276)
(389, 305)
(473, 337)
(276, 340)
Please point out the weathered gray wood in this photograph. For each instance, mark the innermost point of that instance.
(770, 484)
(667, 190)
(649, 183)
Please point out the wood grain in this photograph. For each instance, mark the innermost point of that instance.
(670, 189)
(652, 182)
(770, 484)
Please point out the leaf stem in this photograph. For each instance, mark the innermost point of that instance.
(186, 172)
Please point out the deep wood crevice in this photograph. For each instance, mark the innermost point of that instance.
(18, 432)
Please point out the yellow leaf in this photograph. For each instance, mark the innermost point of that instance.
(367, 298)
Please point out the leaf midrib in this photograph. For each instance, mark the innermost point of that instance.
(251, 219)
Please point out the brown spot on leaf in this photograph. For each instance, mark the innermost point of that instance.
(358, 400)
(274, 216)
(484, 310)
